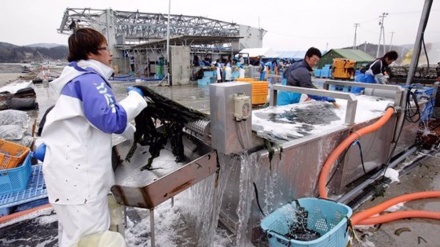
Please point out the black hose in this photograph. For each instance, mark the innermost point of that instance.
(256, 198)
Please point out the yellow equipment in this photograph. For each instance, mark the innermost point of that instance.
(343, 68)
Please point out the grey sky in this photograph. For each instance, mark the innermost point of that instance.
(291, 24)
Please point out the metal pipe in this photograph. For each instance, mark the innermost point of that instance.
(414, 61)
(396, 88)
(346, 197)
(152, 227)
(418, 43)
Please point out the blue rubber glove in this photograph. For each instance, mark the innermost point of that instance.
(40, 152)
(136, 89)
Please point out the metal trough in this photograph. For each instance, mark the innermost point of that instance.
(147, 189)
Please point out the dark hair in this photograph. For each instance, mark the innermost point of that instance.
(313, 51)
(84, 41)
(392, 55)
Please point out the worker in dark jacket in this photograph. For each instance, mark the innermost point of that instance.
(299, 75)
(377, 69)
(375, 72)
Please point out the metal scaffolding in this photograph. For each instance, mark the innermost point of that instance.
(144, 35)
(138, 26)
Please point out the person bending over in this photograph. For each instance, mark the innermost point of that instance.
(299, 75)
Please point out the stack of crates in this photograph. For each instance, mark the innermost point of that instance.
(15, 167)
(260, 90)
(21, 183)
(326, 72)
(317, 73)
(245, 79)
(11, 154)
(29, 188)
(208, 77)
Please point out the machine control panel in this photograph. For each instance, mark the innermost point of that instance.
(243, 106)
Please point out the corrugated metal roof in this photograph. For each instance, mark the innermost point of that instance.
(357, 55)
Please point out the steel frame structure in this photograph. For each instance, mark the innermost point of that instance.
(138, 26)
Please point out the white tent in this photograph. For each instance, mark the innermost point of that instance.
(256, 52)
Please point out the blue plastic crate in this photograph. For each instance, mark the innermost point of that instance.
(317, 72)
(202, 82)
(208, 73)
(15, 179)
(35, 190)
(329, 218)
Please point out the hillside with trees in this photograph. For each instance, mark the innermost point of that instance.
(10, 53)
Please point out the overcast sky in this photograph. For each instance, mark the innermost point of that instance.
(290, 24)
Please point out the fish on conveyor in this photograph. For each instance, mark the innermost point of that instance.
(172, 116)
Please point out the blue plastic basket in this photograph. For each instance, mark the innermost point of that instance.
(15, 179)
(329, 218)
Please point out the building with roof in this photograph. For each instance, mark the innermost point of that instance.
(359, 56)
(149, 37)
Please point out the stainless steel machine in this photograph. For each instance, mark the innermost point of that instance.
(278, 171)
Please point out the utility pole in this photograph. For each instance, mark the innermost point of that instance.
(391, 41)
(356, 25)
(381, 32)
(170, 83)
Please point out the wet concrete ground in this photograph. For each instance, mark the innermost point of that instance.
(424, 177)
(413, 232)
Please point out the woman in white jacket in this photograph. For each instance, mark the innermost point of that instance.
(78, 137)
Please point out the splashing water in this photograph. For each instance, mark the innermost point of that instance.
(246, 196)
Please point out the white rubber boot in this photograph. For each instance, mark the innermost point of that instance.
(106, 239)
(116, 215)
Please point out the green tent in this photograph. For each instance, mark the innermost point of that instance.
(359, 56)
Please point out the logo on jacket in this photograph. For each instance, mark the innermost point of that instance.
(102, 89)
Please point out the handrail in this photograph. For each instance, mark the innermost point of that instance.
(351, 98)
(398, 89)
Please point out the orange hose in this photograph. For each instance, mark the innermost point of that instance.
(323, 176)
(357, 218)
(363, 218)
(10, 217)
(400, 215)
